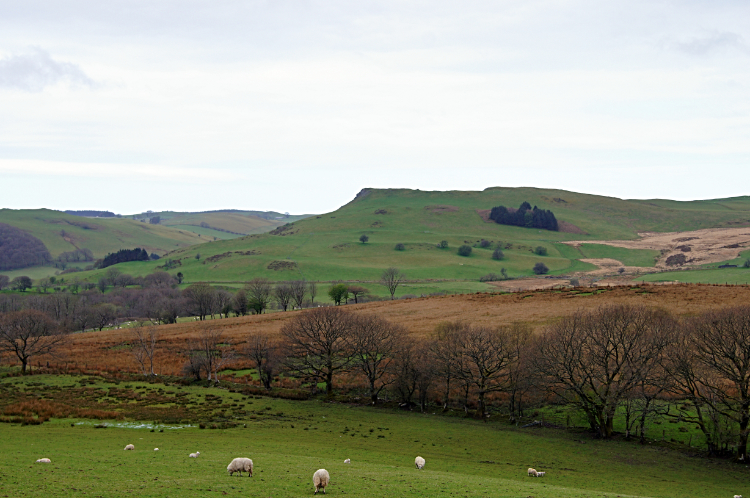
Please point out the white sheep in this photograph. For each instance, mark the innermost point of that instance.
(532, 472)
(419, 462)
(44, 460)
(194, 455)
(240, 465)
(156, 449)
(321, 480)
(540, 474)
(129, 447)
(347, 461)
(737, 496)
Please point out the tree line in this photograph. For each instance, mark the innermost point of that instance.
(525, 216)
(628, 363)
(123, 256)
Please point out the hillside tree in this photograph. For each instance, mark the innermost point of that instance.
(391, 278)
(375, 344)
(258, 292)
(28, 334)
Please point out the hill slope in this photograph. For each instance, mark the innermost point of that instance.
(327, 247)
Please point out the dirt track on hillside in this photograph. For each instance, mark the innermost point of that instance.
(104, 350)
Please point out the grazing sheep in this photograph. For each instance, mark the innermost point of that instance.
(347, 461)
(532, 472)
(194, 455)
(419, 462)
(321, 480)
(156, 449)
(240, 465)
(129, 447)
(540, 474)
(44, 460)
(737, 496)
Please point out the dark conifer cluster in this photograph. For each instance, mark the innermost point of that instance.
(524, 216)
(123, 256)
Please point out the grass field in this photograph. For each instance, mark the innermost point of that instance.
(289, 440)
(628, 257)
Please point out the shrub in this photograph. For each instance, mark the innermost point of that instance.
(497, 254)
(540, 251)
(540, 268)
(490, 277)
(676, 260)
(746, 264)
(364, 238)
(443, 244)
(575, 282)
(400, 247)
(484, 243)
(464, 250)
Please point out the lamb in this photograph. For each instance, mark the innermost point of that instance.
(540, 474)
(129, 447)
(321, 480)
(240, 465)
(194, 455)
(737, 496)
(532, 472)
(419, 462)
(44, 460)
(156, 449)
(347, 461)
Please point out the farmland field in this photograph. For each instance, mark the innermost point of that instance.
(289, 440)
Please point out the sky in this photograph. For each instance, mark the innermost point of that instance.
(298, 105)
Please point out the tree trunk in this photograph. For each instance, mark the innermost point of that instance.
(329, 383)
(742, 442)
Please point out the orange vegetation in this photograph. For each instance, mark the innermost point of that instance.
(104, 350)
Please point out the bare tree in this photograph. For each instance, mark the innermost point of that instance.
(312, 290)
(375, 343)
(721, 340)
(143, 346)
(298, 290)
(413, 372)
(4, 282)
(594, 360)
(357, 291)
(30, 333)
(283, 295)
(263, 352)
(222, 303)
(212, 353)
(239, 303)
(103, 314)
(200, 298)
(316, 343)
(391, 278)
(111, 275)
(258, 292)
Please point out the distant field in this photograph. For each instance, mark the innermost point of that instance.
(715, 276)
(62, 232)
(207, 233)
(289, 440)
(628, 257)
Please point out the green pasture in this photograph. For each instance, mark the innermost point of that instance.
(289, 440)
(735, 276)
(207, 234)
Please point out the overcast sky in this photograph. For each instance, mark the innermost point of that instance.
(296, 106)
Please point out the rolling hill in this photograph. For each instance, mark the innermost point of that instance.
(327, 247)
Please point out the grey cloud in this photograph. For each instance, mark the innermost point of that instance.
(713, 43)
(37, 69)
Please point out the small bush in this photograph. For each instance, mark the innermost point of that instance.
(746, 264)
(540, 269)
(464, 250)
(484, 244)
(400, 247)
(540, 251)
(497, 254)
(676, 260)
(575, 282)
(443, 244)
(490, 277)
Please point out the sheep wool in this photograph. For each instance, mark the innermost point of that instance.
(156, 449)
(129, 447)
(241, 465)
(540, 474)
(347, 461)
(419, 462)
(321, 480)
(737, 496)
(194, 455)
(532, 472)
(44, 460)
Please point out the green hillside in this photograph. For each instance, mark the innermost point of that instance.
(327, 247)
(226, 224)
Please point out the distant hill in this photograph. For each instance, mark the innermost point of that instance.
(222, 224)
(327, 247)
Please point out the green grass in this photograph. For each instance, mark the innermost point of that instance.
(206, 233)
(628, 257)
(736, 276)
(289, 440)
